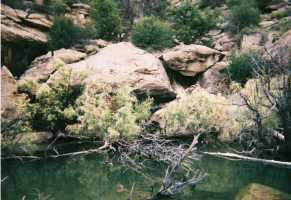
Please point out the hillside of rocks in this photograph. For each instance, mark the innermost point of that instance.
(172, 77)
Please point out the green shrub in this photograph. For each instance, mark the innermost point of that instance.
(52, 108)
(199, 112)
(278, 14)
(261, 4)
(189, 22)
(241, 68)
(110, 113)
(17, 4)
(150, 32)
(211, 3)
(58, 7)
(63, 33)
(284, 25)
(243, 15)
(157, 8)
(106, 17)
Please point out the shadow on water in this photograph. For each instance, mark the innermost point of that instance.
(100, 177)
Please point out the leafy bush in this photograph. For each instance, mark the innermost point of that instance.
(243, 15)
(189, 22)
(52, 108)
(110, 113)
(199, 112)
(241, 68)
(63, 33)
(150, 32)
(107, 19)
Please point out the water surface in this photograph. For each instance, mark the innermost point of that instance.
(97, 177)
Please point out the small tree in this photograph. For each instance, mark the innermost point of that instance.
(151, 32)
(189, 22)
(63, 33)
(107, 19)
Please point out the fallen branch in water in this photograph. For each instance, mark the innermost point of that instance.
(241, 157)
(85, 152)
(170, 186)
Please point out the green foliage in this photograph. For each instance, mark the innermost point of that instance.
(241, 68)
(189, 22)
(211, 3)
(157, 8)
(243, 14)
(199, 112)
(52, 108)
(262, 4)
(284, 25)
(110, 113)
(58, 7)
(17, 4)
(151, 32)
(278, 14)
(107, 19)
(63, 33)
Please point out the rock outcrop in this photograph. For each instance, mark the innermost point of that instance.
(190, 60)
(8, 93)
(18, 25)
(252, 43)
(79, 13)
(214, 81)
(123, 63)
(44, 66)
(282, 48)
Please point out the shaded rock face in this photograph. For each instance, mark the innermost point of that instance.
(123, 63)
(44, 66)
(8, 92)
(214, 82)
(190, 60)
(21, 31)
(282, 48)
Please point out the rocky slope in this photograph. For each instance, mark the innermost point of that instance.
(153, 74)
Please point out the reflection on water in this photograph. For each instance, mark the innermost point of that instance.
(95, 177)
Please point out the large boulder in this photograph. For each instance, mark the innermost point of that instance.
(123, 63)
(190, 60)
(18, 25)
(42, 67)
(8, 92)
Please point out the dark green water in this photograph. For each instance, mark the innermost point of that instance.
(95, 177)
